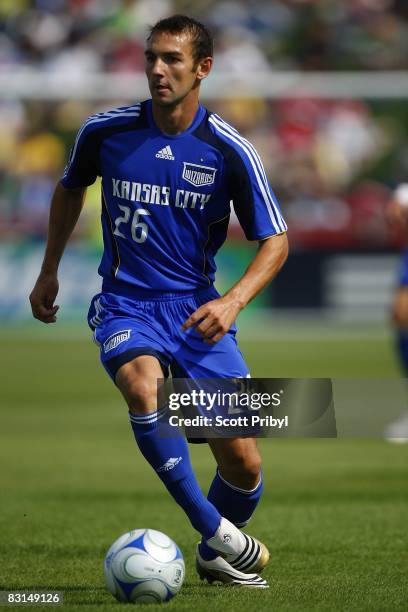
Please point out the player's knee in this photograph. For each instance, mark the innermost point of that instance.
(140, 395)
(251, 469)
(243, 470)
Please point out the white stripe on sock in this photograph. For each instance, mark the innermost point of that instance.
(245, 491)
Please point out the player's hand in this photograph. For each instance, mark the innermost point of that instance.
(43, 296)
(213, 319)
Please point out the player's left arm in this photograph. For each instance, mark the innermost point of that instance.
(261, 219)
(213, 319)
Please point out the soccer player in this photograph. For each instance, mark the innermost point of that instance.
(397, 431)
(170, 169)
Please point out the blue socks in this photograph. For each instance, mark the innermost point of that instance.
(170, 459)
(235, 504)
(402, 339)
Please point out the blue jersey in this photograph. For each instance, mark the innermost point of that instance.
(166, 199)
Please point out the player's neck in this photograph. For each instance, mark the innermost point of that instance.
(174, 120)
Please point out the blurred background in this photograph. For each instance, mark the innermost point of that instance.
(319, 87)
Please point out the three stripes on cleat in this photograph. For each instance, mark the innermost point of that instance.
(250, 554)
(257, 581)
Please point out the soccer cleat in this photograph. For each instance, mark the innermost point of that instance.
(243, 552)
(219, 570)
(253, 558)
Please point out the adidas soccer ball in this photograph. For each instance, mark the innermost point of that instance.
(144, 566)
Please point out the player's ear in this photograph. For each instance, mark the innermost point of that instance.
(204, 67)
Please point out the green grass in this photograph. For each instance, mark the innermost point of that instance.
(334, 512)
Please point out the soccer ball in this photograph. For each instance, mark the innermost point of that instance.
(144, 566)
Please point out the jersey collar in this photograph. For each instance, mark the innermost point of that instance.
(199, 116)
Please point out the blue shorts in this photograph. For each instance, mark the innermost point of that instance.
(137, 324)
(403, 271)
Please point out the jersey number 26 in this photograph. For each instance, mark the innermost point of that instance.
(138, 229)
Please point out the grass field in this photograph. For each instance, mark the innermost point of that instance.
(334, 512)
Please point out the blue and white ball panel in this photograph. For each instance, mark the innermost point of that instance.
(144, 565)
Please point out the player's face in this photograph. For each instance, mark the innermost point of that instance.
(170, 68)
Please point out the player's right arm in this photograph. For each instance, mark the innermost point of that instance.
(66, 206)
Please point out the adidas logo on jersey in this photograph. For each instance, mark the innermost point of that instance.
(165, 153)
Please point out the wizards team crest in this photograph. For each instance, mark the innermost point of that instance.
(198, 175)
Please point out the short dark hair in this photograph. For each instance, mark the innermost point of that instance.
(201, 39)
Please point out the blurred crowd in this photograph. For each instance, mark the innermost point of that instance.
(332, 164)
(108, 35)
